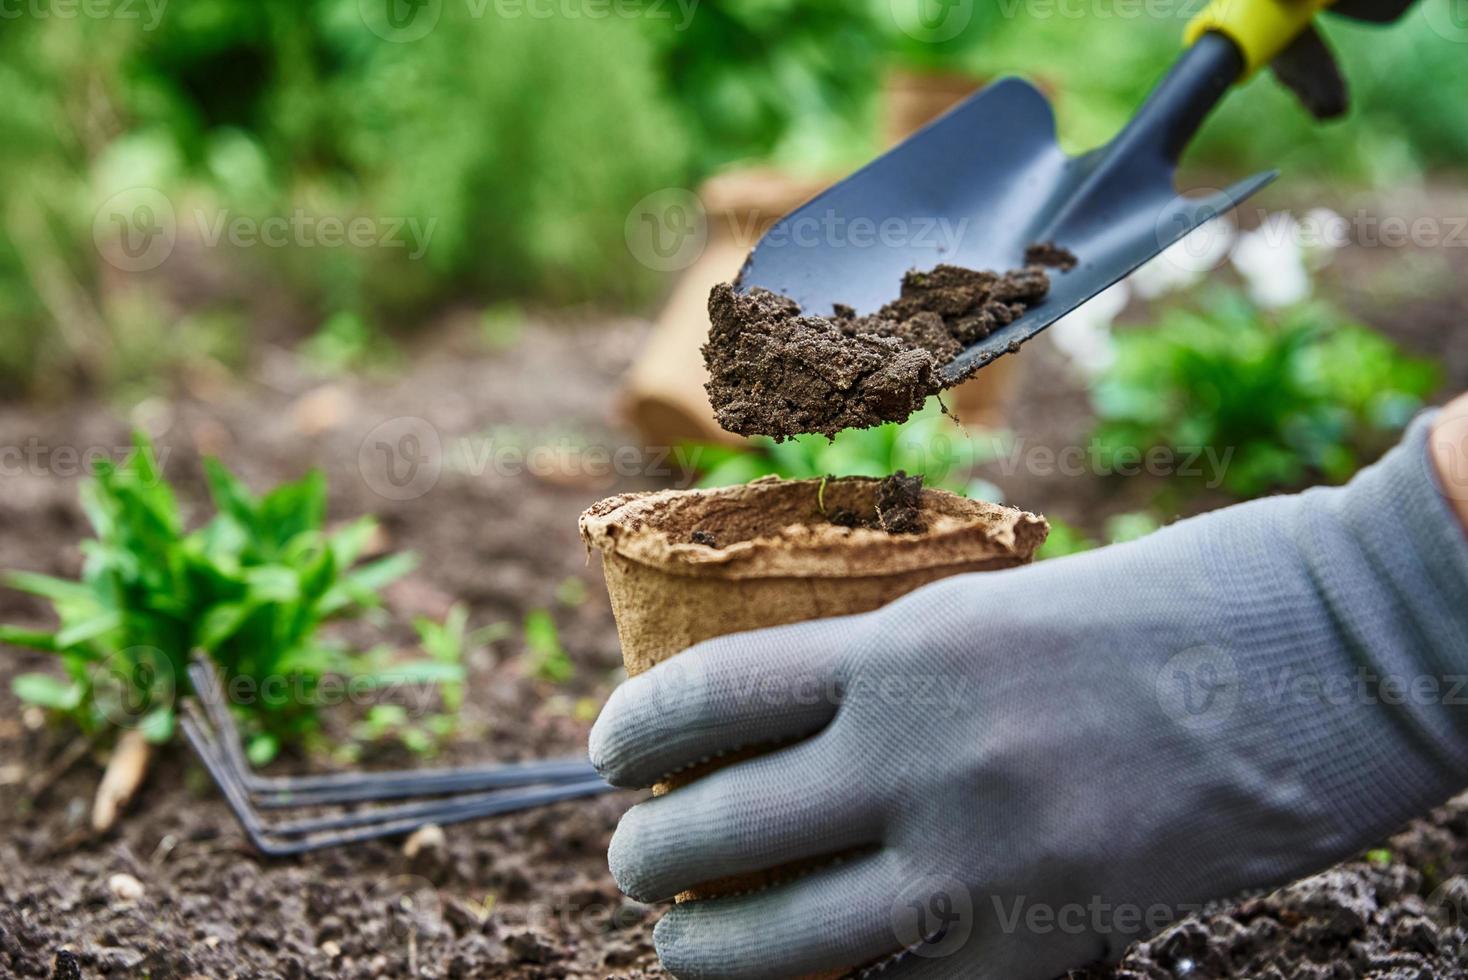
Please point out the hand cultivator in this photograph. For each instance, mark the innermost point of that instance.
(436, 796)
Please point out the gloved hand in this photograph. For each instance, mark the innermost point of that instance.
(1309, 69)
(1026, 770)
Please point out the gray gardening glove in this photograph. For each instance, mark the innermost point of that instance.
(1025, 771)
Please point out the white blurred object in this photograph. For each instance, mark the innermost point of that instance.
(1272, 262)
(1323, 232)
(1186, 261)
(1084, 334)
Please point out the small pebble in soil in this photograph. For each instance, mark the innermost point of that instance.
(704, 538)
(125, 888)
(427, 845)
(65, 967)
(527, 947)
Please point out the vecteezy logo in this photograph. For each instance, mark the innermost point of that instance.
(933, 917)
(1194, 232)
(135, 230)
(132, 685)
(402, 458)
(932, 21)
(400, 21)
(1199, 688)
(667, 230)
(1448, 19)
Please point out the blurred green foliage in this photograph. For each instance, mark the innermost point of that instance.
(504, 152)
(1405, 119)
(1066, 539)
(930, 443)
(1292, 396)
(250, 588)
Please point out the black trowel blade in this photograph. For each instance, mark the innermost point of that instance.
(976, 188)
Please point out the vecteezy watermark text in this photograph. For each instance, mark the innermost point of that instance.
(403, 458)
(149, 12)
(302, 229)
(37, 458)
(1207, 463)
(404, 21)
(137, 229)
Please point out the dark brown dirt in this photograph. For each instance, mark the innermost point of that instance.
(525, 896)
(900, 504)
(1051, 256)
(897, 507)
(1400, 913)
(503, 542)
(775, 371)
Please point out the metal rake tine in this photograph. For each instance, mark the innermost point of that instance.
(445, 810)
(288, 791)
(525, 799)
(238, 803)
(369, 788)
(266, 838)
(209, 692)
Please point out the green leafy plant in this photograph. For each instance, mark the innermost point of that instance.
(790, 80)
(546, 658)
(930, 443)
(250, 588)
(1290, 396)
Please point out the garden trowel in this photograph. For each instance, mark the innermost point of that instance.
(980, 185)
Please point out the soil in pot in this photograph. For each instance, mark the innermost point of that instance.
(686, 566)
(775, 370)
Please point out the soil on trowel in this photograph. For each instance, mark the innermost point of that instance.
(1051, 255)
(776, 371)
(897, 509)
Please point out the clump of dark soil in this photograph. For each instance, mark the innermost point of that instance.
(897, 507)
(1051, 255)
(900, 504)
(1398, 913)
(776, 371)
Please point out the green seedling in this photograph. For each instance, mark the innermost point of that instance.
(251, 588)
(447, 643)
(546, 659)
(930, 443)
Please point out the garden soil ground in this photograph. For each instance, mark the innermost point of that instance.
(526, 896)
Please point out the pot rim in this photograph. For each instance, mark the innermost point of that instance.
(961, 531)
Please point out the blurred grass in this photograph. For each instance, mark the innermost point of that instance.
(518, 145)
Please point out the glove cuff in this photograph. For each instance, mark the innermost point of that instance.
(1384, 736)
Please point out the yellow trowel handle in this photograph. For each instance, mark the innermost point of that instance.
(1260, 28)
